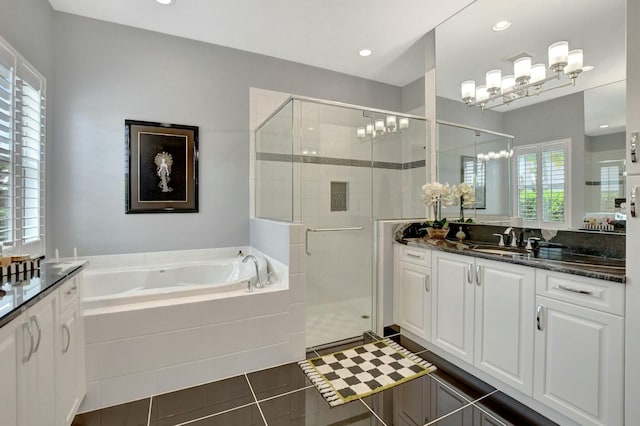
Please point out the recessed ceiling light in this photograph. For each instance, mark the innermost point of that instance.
(604, 126)
(587, 68)
(365, 52)
(166, 2)
(501, 25)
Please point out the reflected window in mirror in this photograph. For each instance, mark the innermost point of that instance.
(611, 187)
(542, 191)
(473, 173)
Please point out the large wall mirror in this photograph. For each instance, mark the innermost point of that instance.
(564, 145)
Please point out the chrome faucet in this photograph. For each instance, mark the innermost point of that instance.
(514, 241)
(259, 284)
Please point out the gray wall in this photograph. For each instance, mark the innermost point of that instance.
(552, 120)
(107, 73)
(605, 142)
(458, 112)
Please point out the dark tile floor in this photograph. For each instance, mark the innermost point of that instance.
(282, 396)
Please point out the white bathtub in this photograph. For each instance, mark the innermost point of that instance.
(150, 332)
(124, 286)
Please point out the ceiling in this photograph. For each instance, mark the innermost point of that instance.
(322, 33)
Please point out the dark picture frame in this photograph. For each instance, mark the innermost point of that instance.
(162, 167)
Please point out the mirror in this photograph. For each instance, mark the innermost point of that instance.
(467, 47)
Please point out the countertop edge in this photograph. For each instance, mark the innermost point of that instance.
(58, 281)
(566, 269)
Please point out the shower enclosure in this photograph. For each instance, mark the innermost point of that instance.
(337, 168)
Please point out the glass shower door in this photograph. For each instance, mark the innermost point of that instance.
(336, 209)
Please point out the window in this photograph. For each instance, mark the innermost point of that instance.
(610, 187)
(22, 144)
(542, 189)
(474, 174)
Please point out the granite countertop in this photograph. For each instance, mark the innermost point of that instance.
(597, 267)
(19, 293)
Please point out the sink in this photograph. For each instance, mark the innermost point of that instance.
(502, 251)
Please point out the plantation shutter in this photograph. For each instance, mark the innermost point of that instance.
(527, 185)
(29, 157)
(7, 64)
(553, 185)
(22, 147)
(542, 190)
(609, 187)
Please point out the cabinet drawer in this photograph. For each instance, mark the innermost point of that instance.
(588, 292)
(69, 293)
(415, 255)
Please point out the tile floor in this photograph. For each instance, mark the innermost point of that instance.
(283, 396)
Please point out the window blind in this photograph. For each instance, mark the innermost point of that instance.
(542, 172)
(553, 185)
(22, 148)
(610, 187)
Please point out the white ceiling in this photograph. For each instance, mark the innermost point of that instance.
(323, 33)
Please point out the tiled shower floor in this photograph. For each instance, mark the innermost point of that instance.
(283, 396)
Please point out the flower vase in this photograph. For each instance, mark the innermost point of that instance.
(437, 234)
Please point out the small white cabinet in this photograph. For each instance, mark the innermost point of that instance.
(483, 314)
(36, 358)
(412, 278)
(70, 362)
(9, 336)
(42, 352)
(579, 350)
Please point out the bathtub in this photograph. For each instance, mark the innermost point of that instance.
(159, 322)
(123, 286)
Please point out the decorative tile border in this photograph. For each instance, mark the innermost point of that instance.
(314, 159)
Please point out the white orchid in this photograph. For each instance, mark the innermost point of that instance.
(465, 194)
(435, 192)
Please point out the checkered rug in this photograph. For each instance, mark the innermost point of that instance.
(364, 370)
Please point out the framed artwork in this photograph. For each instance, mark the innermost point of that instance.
(162, 167)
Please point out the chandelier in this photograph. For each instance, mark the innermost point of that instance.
(527, 80)
(379, 127)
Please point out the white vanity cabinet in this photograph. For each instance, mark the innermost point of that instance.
(70, 361)
(36, 363)
(42, 353)
(9, 336)
(579, 347)
(412, 286)
(483, 313)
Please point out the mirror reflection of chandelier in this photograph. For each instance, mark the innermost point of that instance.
(379, 127)
(527, 79)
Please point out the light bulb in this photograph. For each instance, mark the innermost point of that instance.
(494, 81)
(558, 56)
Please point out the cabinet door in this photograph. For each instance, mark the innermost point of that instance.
(504, 323)
(415, 299)
(579, 362)
(69, 365)
(37, 395)
(453, 294)
(11, 371)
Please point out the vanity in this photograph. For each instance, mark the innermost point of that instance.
(42, 346)
(549, 333)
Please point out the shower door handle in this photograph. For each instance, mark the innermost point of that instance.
(306, 235)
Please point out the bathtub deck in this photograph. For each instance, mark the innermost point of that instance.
(283, 396)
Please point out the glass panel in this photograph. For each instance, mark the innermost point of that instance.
(274, 160)
(399, 166)
(339, 269)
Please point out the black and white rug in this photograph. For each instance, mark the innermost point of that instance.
(364, 370)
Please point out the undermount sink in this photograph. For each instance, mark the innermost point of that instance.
(502, 251)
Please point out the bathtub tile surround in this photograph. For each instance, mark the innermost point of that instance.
(139, 349)
(283, 396)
